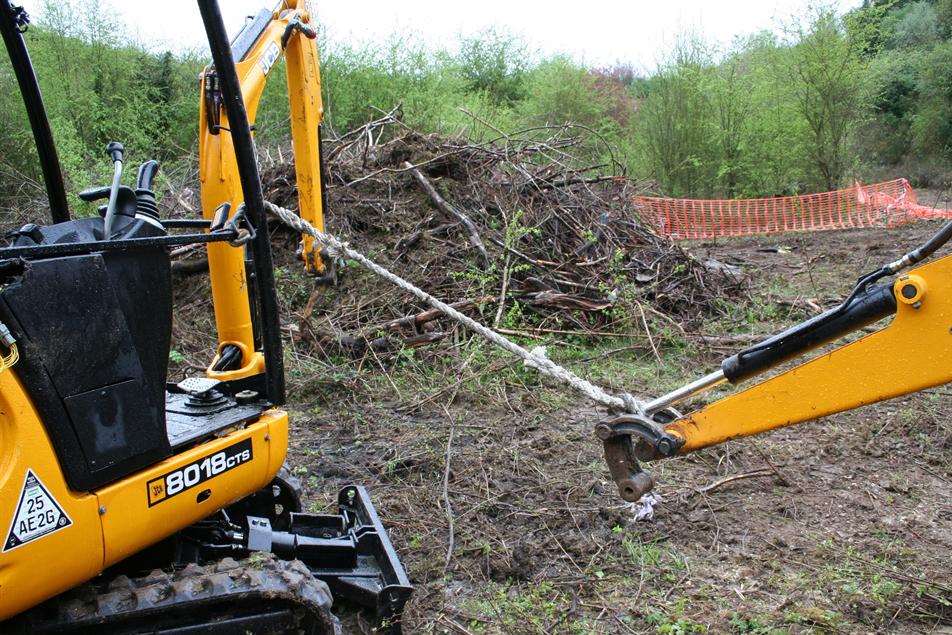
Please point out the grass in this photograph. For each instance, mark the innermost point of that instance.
(542, 544)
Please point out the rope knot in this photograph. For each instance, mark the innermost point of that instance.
(538, 353)
(632, 404)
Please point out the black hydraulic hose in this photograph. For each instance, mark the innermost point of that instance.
(240, 131)
(861, 286)
(876, 303)
(12, 21)
(913, 257)
(921, 253)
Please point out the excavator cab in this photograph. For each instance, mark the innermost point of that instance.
(112, 470)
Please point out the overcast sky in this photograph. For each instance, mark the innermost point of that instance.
(597, 32)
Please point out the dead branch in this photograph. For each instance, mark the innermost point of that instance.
(447, 208)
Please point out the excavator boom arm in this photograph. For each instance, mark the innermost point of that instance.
(286, 32)
(911, 354)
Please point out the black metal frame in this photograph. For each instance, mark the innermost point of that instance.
(12, 31)
(350, 550)
(129, 244)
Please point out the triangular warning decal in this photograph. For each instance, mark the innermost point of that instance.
(38, 514)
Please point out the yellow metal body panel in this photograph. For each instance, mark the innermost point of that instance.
(59, 561)
(132, 514)
(118, 520)
(307, 112)
(130, 524)
(218, 172)
(912, 353)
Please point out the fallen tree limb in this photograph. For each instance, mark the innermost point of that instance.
(447, 208)
(190, 267)
(418, 319)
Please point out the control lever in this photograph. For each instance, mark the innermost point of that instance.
(115, 151)
(147, 173)
(145, 194)
(94, 194)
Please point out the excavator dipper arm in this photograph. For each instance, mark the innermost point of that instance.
(910, 353)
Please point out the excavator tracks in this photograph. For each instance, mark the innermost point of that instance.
(260, 595)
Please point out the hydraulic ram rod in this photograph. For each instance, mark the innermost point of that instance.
(870, 306)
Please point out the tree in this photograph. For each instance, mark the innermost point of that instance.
(915, 26)
(676, 120)
(829, 86)
(494, 63)
(932, 124)
(943, 10)
(730, 99)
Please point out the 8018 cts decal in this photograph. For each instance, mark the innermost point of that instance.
(197, 472)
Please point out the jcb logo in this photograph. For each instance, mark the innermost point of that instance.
(270, 56)
(156, 491)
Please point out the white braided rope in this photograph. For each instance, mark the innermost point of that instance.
(535, 358)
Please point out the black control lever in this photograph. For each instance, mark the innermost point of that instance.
(115, 151)
(130, 202)
(146, 176)
(95, 194)
(145, 195)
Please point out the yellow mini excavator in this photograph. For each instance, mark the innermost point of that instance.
(164, 508)
(131, 505)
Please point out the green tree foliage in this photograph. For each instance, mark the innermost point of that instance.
(914, 26)
(676, 122)
(828, 88)
(932, 123)
(943, 16)
(495, 63)
(839, 97)
(96, 88)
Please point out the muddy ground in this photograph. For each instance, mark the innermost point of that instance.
(497, 497)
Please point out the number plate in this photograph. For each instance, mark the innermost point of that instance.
(201, 470)
(37, 514)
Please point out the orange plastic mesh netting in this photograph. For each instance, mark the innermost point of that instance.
(886, 204)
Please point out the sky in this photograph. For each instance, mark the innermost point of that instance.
(595, 32)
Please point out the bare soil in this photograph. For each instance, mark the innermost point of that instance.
(496, 495)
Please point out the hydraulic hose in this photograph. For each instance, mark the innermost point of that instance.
(921, 253)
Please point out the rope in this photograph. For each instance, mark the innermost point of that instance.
(536, 358)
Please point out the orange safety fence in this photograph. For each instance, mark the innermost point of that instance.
(888, 204)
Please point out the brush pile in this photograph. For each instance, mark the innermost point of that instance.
(512, 230)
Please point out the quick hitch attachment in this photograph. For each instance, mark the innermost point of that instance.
(630, 438)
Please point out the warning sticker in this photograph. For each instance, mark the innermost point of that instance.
(38, 514)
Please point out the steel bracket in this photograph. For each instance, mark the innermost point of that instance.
(627, 439)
